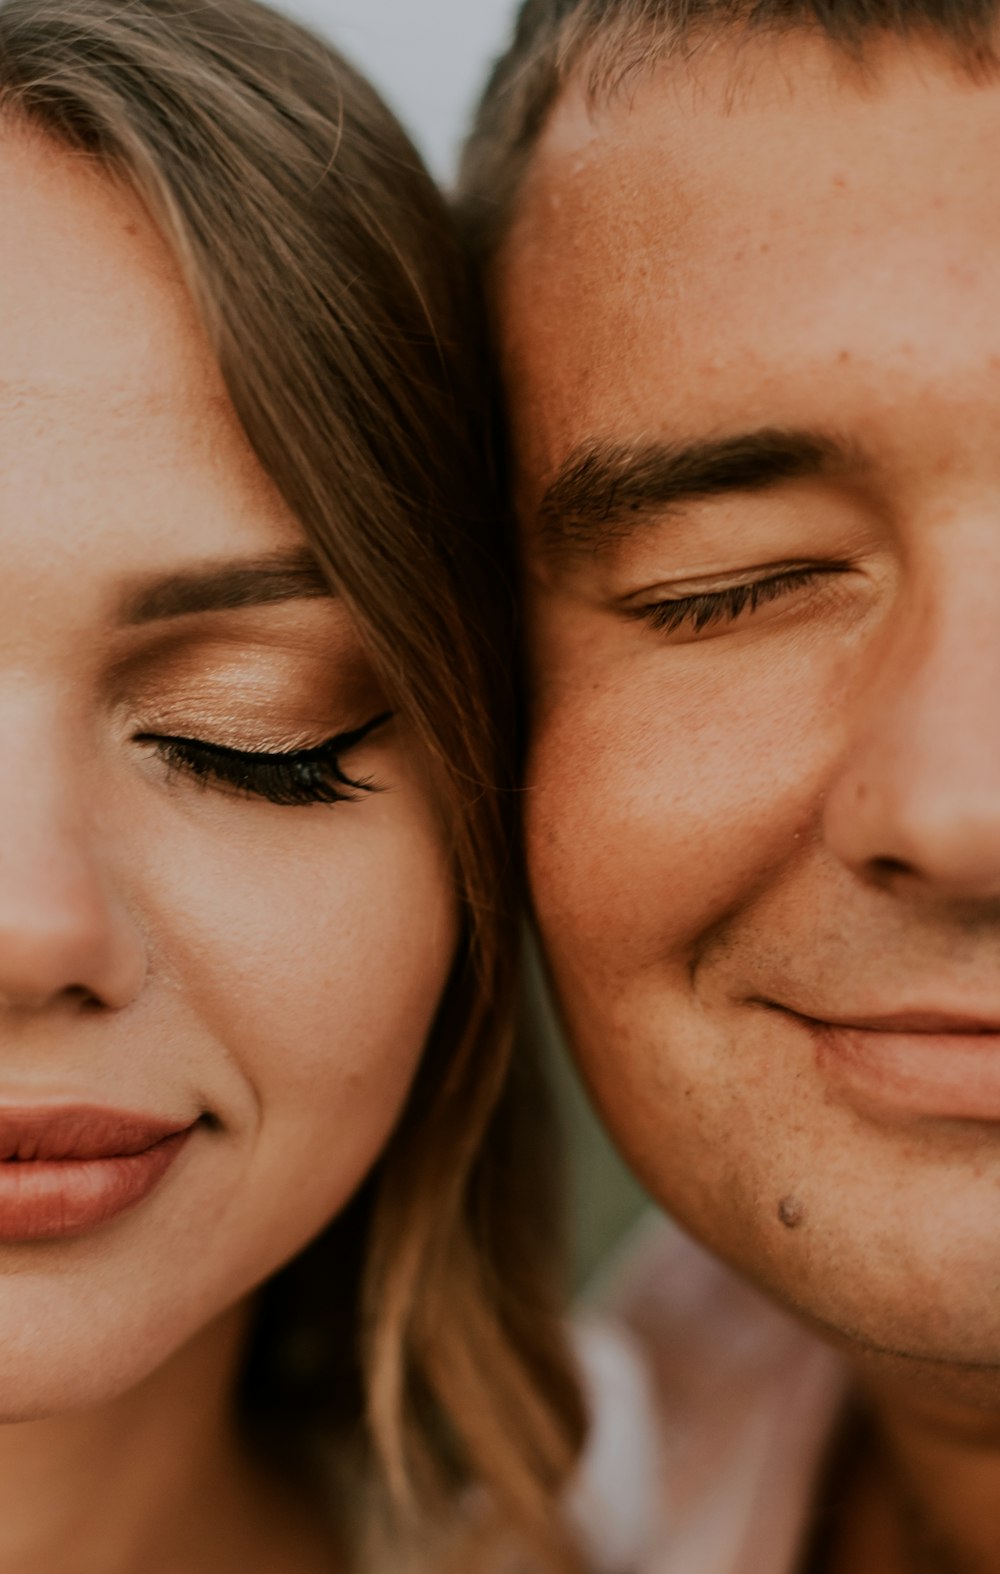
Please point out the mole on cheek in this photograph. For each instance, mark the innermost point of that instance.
(791, 1212)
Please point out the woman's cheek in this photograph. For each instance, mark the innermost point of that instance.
(312, 948)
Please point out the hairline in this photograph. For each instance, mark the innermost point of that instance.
(605, 58)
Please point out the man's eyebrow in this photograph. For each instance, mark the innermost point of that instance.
(225, 587)
(605, 490)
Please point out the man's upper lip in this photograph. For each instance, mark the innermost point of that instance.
(944, 1023)
(79, 1132)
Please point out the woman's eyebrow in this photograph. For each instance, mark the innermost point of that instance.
(227, 586)
(605, 491)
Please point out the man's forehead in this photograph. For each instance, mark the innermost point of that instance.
(747, 78)
(674, 145)
(663, 237)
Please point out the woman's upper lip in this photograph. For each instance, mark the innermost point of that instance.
(79, 1132)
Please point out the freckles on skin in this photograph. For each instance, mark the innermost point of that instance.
(684, 266)
(663, 302)
(604, 814)
(612, 277)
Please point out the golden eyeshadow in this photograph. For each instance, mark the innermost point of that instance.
(254, 696)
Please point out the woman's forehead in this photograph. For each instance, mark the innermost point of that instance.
(116, 429)
(91, 301)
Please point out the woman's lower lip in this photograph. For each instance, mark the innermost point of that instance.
(51, 1200)
(938, 1075)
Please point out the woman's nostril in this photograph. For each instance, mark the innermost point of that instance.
(889, 869)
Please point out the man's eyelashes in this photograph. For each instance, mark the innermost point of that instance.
(295, 779)
(708, 609)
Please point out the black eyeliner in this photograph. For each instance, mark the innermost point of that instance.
(297, 778)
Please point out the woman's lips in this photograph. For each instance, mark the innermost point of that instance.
(65, 1171)
(937, 1064)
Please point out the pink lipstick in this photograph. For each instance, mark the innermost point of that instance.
(66, 1170)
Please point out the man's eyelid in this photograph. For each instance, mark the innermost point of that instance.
(719, 582)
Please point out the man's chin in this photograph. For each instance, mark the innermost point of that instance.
(937, 1329)
(965, 1373)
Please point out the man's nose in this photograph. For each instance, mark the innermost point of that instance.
(65, 935)
(916, 804)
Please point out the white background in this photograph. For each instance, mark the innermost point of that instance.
(428, 57)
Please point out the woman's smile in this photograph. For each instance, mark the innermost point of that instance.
(68, 1169)
(223, 883)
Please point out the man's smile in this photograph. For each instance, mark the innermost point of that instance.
(922, 1061)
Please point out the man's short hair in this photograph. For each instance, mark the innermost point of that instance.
(610, 40)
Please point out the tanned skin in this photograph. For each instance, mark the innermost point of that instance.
(750, 323)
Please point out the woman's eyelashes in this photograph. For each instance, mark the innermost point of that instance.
(706, 609)
(294, 779)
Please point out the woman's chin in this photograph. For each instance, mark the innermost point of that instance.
(42, 1384)
(64, 1351)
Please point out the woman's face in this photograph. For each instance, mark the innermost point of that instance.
(238, 966)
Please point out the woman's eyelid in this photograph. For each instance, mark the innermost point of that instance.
(234, 741)
(258, 697)
(303, 744)
(339, 742)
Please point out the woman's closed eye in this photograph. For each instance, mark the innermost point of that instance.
(699, 609)
(293, 779)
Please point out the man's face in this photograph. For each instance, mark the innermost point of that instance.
(751, 333)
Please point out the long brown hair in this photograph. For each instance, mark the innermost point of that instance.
(322, 260)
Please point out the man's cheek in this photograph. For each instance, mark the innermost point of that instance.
(644, 826)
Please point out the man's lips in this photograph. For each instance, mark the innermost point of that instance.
(66, 1170)
(928, 1062)
(944, 1024)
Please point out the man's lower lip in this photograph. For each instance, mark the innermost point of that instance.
(944, 1076)
(52, 1200)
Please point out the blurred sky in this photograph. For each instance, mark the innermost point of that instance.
(428, 57)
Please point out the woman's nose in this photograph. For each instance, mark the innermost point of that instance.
(64, 931)
(916, 804)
